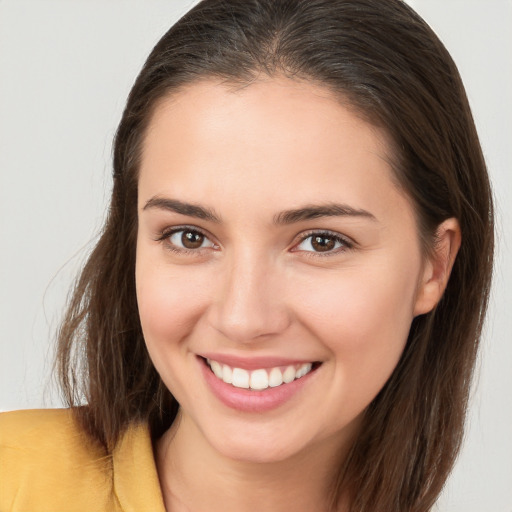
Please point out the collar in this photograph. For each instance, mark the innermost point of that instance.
(136, 482)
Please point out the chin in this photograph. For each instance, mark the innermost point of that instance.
(251, 451)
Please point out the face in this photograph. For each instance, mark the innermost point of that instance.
(278, 265)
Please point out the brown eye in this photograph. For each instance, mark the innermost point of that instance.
(321, 243)
(189, 239)
(192, 239)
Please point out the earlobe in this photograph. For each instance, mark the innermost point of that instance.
(438, 266)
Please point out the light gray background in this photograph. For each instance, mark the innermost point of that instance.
(66, 67)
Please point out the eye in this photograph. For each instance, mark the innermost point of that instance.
(187, 239)
(323, 243)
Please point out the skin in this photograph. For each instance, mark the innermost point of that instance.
(258, 288)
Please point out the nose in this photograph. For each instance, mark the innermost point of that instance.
(249, 303)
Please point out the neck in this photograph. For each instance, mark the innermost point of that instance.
(194, 477)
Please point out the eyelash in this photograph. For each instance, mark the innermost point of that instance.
(166, 234)
(346, 244)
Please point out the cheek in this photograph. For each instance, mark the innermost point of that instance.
(170, 304)
(363, 319)
(361, 302)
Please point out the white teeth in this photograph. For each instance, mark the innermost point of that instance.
(259, 379)
(217, 368)
(227, 374)
(275, 378)
(289, 374)
(303, 370)
(240, 378)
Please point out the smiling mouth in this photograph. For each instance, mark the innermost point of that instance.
(261, 378)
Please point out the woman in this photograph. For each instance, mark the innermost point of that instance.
(297, 253)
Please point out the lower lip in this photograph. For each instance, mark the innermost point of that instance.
(247, 400)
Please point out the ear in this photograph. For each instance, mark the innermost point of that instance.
(438, 266)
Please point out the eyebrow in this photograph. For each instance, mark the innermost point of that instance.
(173, 205)
(316, 211)
(308, 212)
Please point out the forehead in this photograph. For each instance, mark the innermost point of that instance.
(274, 104)
(275, 136)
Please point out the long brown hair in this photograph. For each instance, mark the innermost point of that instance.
(393, 70)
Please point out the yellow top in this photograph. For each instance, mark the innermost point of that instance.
(48, 465)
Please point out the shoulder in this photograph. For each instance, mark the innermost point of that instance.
(46, 460)
(40, 433)
(20, 424)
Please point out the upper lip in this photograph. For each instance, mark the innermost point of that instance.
(255, 362)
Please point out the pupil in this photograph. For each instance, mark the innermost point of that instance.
(192, 240)
(322, 243)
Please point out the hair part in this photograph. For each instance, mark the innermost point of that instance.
(387, 63)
